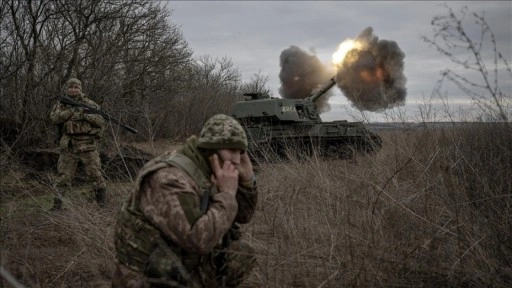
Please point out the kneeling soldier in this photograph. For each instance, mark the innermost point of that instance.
(179, 227)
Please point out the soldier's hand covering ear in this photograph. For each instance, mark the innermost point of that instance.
(245, 170)
(225, 178)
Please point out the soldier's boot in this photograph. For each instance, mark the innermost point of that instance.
(57, 200)
(99, 195)
(57, 204)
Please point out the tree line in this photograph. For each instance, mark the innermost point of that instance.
(131, 58)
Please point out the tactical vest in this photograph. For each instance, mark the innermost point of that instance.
(78, 127)
(81, 127)
(136, 239)
(79, 135)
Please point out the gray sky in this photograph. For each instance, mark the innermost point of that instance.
(254, 33)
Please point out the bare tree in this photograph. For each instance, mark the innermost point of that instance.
(132, 59)
(213, 88)
(127, 53)
(25, 21)
(477, 54)
(257, 84)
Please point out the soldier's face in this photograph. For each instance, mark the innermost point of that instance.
(73, 90)
(232, 155)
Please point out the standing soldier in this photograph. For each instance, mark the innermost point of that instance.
(179, 227)
(79, 134)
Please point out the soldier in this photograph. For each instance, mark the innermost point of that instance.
(180, 226)
(79, 134)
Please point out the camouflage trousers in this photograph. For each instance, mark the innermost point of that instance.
(240, 261)
(68, 162)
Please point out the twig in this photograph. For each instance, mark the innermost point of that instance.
(120, 153)
(328, 279)
(69, 265)
(8, 276)
(466, 252)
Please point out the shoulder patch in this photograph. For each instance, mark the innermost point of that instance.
(189, 206)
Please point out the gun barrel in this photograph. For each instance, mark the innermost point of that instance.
(324, 90)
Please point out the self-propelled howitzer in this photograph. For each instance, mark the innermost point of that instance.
(293, 126)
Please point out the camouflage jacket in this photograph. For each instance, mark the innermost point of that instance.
(78, 130)
(169, 200)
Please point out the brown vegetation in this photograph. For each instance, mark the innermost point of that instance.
(131, 59)
(432, 209)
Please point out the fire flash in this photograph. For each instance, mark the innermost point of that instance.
(369, 72)
(343, 49)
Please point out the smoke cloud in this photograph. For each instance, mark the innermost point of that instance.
(301, 74)
(371, 76)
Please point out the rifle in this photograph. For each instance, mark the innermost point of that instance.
(68, 101)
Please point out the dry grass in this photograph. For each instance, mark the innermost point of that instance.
(157, 147)
(433, 208)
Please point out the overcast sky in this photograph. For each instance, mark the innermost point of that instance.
(254, 33)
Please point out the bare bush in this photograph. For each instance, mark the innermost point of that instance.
(257, 84)
(213, 88)
(486, 71)
(133, 61)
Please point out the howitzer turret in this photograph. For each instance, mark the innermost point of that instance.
(259, 95)
(293, 125)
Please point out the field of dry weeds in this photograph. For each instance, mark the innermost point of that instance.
(432, 209)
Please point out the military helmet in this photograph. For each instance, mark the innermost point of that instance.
(74, 81)
(222, 132)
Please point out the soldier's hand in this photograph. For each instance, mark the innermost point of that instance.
(245, 170)
(225, 178)
(67, 114)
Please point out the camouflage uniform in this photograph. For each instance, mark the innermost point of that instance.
(79, 135)
(164, 238)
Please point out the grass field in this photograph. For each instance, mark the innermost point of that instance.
(433, 208)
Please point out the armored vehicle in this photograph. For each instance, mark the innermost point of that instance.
(285, 127)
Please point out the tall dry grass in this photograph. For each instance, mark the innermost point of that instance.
(432, 208)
